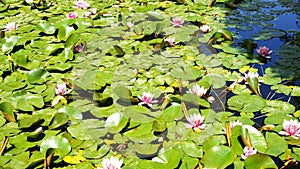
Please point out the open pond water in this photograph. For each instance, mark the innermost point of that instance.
(281, 18)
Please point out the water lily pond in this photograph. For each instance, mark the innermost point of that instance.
(147, 84)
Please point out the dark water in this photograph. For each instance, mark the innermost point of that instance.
(286, 21)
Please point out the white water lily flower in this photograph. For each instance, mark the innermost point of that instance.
(112, 163)
(113, 120)
(197, 90)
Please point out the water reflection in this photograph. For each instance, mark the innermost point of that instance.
(286, 18)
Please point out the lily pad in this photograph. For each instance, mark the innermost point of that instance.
(60, 144)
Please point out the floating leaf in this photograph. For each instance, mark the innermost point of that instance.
(246, 103)
(9, 43)
(215, 80)
(58, 120)
(218, 157)
(166, 160)
(88, 129)
(46, 27)
(276, 144)
(146, 149)
(64, 32)
(259, 161)
(29, 121)
(59, 143)
(37, 75)
(192, 149)
(256, 138)
(7, 110)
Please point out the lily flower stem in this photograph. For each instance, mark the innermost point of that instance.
(228, 134)
(185, 111)
(3, 145)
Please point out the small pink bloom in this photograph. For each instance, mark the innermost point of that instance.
(61, 89)
(112, 163)
(72, 15)
(88, 14)
(250, 75)
(177, 22)
(130, 25)
(93, 10)
(147, 98)
(264, 52)
(170, 40)
(196, 122)
(235, 123)
(232, 124)
(81, 4)
(205, 28)
(248, 152)
(292, 128)
(12, 26)
(197, 90)
(78, 48)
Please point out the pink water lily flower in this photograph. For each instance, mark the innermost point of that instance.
(88, 14)
(130, 25)
(196, 122)
(248, 152)
(147, 98)
(264, 52)
(235, 123)
(176, 22)
(170, 40)
(11, 26)
(292, 128)
(93, 10)
(250, 75)
(72, 15)
(232, 124)
(81, 4)
(61, 89)
(205, 28)
(197, 90)
(78, 48)
(112, 163)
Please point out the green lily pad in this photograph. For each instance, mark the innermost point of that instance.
(46, 28)
(192, 149)
(146, 149)
(31, 100)
(60, 144)
(88, 129)
(139, 114)
(215, 80)
(218, 157)
(276, 144)
(37, 75)
(58, 120)
(246, 103)
(7, 110)
(166, 160)
(64, 32)
(259, 161)
(9, 43)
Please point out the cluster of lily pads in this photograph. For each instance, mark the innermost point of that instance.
(139, 84)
